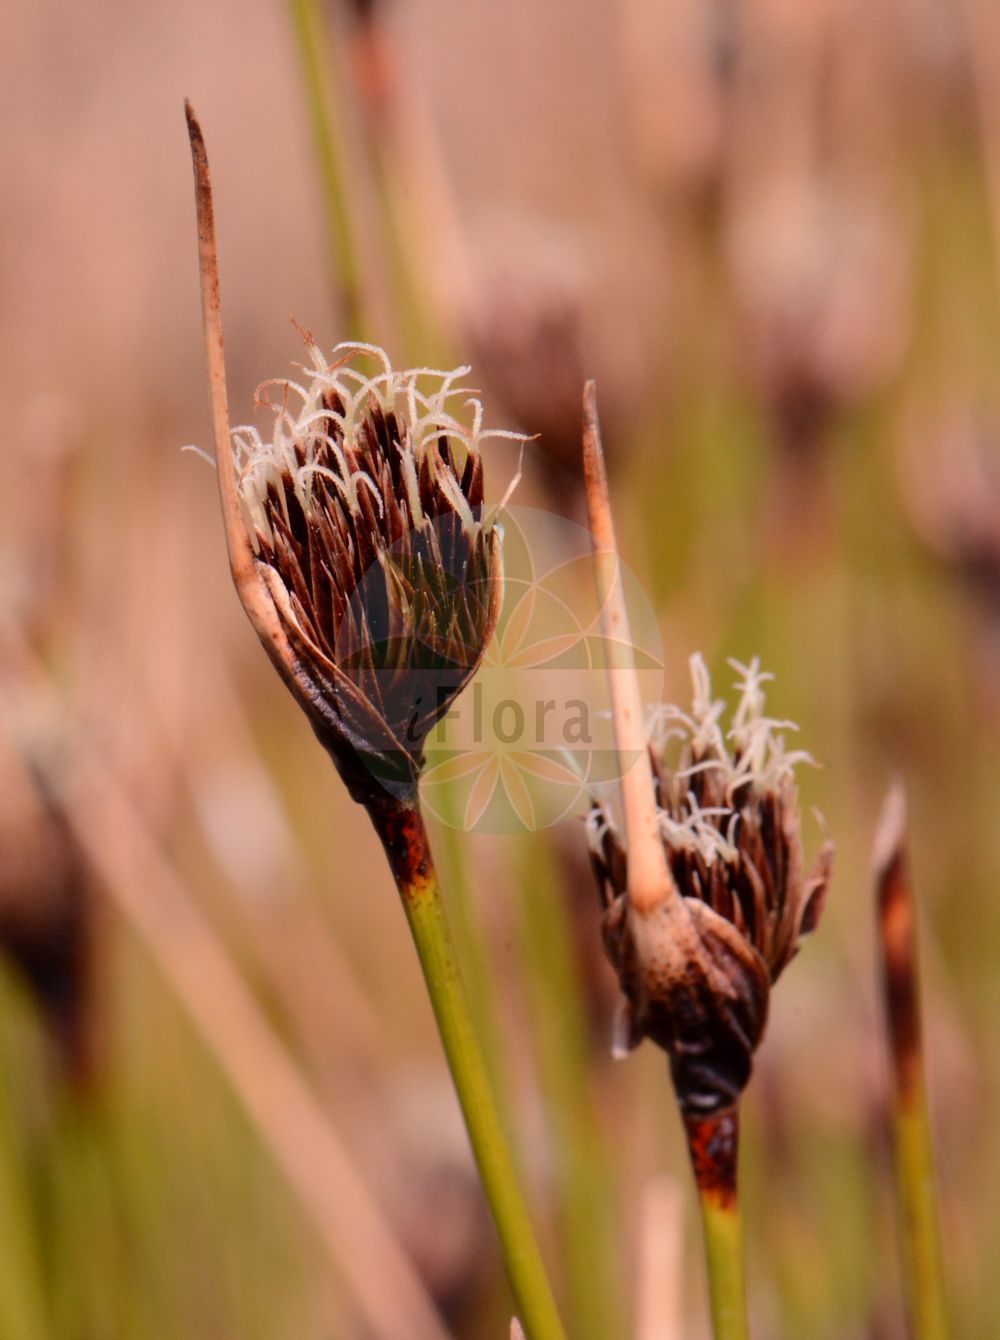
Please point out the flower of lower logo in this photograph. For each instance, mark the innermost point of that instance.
(533, 734)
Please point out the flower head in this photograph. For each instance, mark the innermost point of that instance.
(729, 821)
(365, 517)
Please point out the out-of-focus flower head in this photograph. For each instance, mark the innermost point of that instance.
(49, 921)
(950, 479)
(823, 281)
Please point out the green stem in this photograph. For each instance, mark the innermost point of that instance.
(724, 1258)
(921, 1247)
(469, 934)
(307, 22)
(401, 828)
(714, 1144)
(26, 1297)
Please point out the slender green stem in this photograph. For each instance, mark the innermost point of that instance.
(417, 326)
(922, 1268)
(307, 22)
(724, 1258)
(714, 1144)
(395, 162)
(401, 828)
(470, 939)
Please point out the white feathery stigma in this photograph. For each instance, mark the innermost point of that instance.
(426, 402)
(751, 753)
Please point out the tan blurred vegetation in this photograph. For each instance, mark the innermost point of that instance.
(771, 231)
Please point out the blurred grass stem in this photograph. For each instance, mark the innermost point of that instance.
(279, 1103)
(661, 1261)
(401, 828)
(913, 1151)
(983, 31)
(584, 1181)
(328, 137)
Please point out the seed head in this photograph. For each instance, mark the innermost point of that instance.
(699, 984)
(364, 510)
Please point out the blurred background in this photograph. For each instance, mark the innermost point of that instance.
(770, 229)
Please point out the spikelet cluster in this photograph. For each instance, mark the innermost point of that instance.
(730, 825)
(365, 504)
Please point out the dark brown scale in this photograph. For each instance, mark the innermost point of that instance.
(371, 522)
(368, 445)
(397, 520)
(322, 587)
(444, 450)
(296, 523)
(432, 500)
(323, 489)
(393, 460)
(331, 400)
(289, 560)
(472, 480)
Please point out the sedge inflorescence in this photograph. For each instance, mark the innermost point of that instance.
(365, 511)
(730, 826)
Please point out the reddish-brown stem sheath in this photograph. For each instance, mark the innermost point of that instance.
(897, 939)
(403, 834)
(713, 1143)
